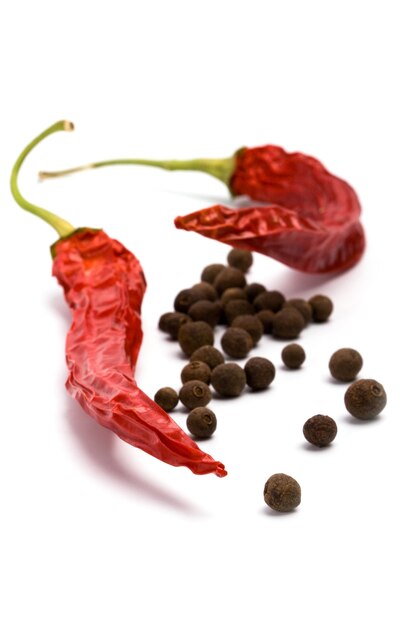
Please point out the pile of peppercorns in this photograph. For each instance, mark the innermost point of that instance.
(249, 310)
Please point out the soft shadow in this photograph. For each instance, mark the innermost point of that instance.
(338, 383)
(98, 445)
(310, 448)
(271, 513)
(58, 304)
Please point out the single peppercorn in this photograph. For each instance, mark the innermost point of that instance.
(229, 277)
(302, 307)
(236, 342)
(266, 317)
(233, 293)
(320, 430)
(345, 364)
(322, 307)
(206, 311)
(251, 324)
(365, 398)
(287, 324)
(193, 335)
(208, 354)
(171, 323)
(186, 297)
(209, 273)
(233, 308)
(228, 379)
(196, 370)
(260, 373)
(194, 393)
(282, 493)
(241, 259)
(253, 289)
(293, 356)
(166, 398)
(201, 422)
(272, 300)
(207, 290)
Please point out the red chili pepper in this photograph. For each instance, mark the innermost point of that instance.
(314, 223)
(104, 285)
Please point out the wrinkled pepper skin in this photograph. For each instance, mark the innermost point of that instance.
(104, 286)
(313, 224)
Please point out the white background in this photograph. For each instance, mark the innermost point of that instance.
(96, 532)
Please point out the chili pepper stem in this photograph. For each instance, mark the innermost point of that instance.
(219, 168)
(62, 227)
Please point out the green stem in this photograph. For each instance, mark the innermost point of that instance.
(62, 227)
(219, 168)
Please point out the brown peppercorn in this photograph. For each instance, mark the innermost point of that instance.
(322, 308)
(228, 379)
(207, 290)
(320, 430)
(282, 493)
(302, 307)
(236, 342)
(195, 393)
(196, 370)
(233, 308)
(260, 373)
(253, 289)
(272, 300)
(266, 317)
(193, 335)
(287, 324)
(365, 398)
(251, 324)
(172, 323)
(293, 356)
(241, 259)
(167, 398)
(206, 311)
(233, 293)
(209, 355)
(229, 277)
(186, 297)
(201, 422)
(210, 272)
(345, 364)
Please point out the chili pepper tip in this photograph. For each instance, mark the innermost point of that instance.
(220, 471)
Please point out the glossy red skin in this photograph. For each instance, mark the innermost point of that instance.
(104, 286)
(313, 224)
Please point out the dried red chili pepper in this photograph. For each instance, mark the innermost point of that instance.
(104, 285)
(314, 223)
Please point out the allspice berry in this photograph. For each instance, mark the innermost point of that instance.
(186, 297)
(236, 342)
(228, 379)
(320, 430)
(272, 300)
(209, 273)
(251, 324)
(302, 307)
(201, 422)
(196, 370)
(229, 277)
(241, 259)
(266, 317)
(166, 398)
(208, 354)
(233, 293)
(205, 311)
(172, 323)
(193, 335)
(260, 373)
(365, 398)
(207, 290)
(282, 493)
(253, 289)
(233, 308)
(287, 324)
(195, 393)
(345, 364)
(322, 307)
(293, 356)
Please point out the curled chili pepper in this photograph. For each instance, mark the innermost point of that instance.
(312, 223)
(104, 286)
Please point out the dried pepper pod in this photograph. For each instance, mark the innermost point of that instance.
(312, 223)
(104, 286)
